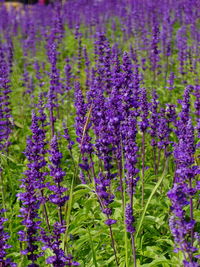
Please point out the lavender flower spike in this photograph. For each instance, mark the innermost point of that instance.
(59, 259)
(182, 195)
(4, 262)
(58, 174)
(31, 199)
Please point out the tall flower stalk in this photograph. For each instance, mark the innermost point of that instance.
(185, 186)
(57, 174)
(130, 154)
(53, 240)
(144, 123)
(4, 261)
(5, 110)
(33, 184)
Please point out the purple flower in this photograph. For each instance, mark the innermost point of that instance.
(154, 119)
(106, 198)
(5, 111)
(55, 85)
(53, 241)
(68, 138)
(129, 132)
(182, 48)
(163, 131)
(183, 190)
(57, 174)
(171, 81)
(154, 50)
(197, 111)
(144, 110)
(82, 125)
(129, 219)
(68, 74)
(110, 222)
(3, 243)
(58, 30)
(103, 61)
(34, 179)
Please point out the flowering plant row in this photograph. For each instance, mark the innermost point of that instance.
(99, 134)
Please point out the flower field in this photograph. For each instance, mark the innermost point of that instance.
(99, 134)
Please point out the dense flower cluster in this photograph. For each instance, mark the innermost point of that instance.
(57, 174)
(184, 188)
(5, 262)
(105, 197)
(33, 183)
(108, 76)
(129, 219)
(53, 242)
(5, 111)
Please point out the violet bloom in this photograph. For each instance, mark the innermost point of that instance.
(104, 150)
(182, 48)
(57, 174)
(130, 86)
(103, 61)
(38, 73)
(171, 114)
(31, 200)
(144, 110)
(81, 122)
(197, 110)
(87, 68)
(29, 42)
(129, 129)
(153, 120)
(4, 262)
(9, 52)
(163, 131)
(68, 74)
(68, 138)
(171, 81)
(129, 219)
(82, 126)
(183, 192)
(127, 68)
(114, 112)
(105, 197)
(185, 112)
(55, 86)
(5, 111)
(136, 88)
(53, 242)
(57, 22)
(52, 56)
(166, 34)
(80, 52)
(107, 67)
(171, 119)
(155, 52)
(130, 153)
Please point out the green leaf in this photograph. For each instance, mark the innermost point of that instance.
(155, 263)
(149, 200)
(92, 248)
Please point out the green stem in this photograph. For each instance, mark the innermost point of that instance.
(149, 199)
(45, 211)
(133, 250)
(126, 243)
(143, 165)
(113, 245)
(2, 192)
(92, 248)
(68, 212)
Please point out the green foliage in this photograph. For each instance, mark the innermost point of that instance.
(87, 237)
